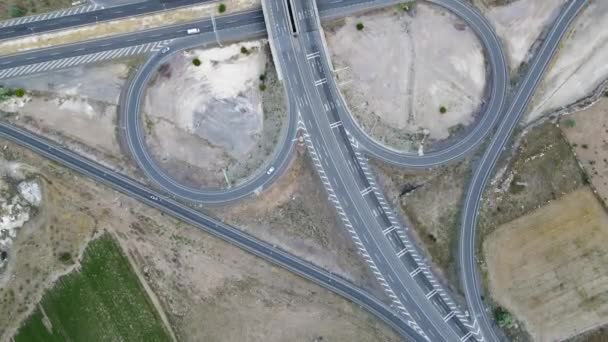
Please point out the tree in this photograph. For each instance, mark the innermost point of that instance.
(443, 110)
(263, 77)
(196, 62)
(503, 317)
(360, 26)
(244, 50)
(221, 8)
(19, 92)
(262, 86)
(16, 11)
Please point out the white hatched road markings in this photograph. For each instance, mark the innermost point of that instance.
(362, 251)
(409, 248)
(50, 15)
(83, 59)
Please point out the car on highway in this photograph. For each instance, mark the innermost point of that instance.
(193, 31)
(154, 198)
(270, 170)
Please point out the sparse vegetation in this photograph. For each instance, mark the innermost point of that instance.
(196, 62)
(503, 317)
(571, 123)
(102, 301)
(16, 11)
(406, 6)
(19, 92)
(443, 110)
(360, 26)
(221, 8)
(66, 258)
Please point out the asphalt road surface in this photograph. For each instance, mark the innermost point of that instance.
(467, 261)
(210, 225)
(105, 14)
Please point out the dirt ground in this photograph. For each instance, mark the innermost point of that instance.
(587, 131)
(548, 267)
(220, 123)
(580, 66)
(397, 98)
(115, 27)
(77, 108)
(431, 202)
(295, 214)
(519, 23)
(209, 290)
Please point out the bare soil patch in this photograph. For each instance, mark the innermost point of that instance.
(209, 290)
(580, 66)
(587, 132)
(295, 214)
(396, 77)
(519, 23)
(548, 267)
(77, 108)
(224, 118)
(542, 169)
(431, 202)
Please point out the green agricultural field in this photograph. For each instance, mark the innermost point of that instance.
(103, 301)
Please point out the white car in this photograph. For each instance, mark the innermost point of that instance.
(154, 198)
(270, 170)
(193, 31)
(165, 50)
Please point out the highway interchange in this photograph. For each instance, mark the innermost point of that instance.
(421, 308)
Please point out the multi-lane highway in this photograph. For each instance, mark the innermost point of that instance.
(425, 310)
(467, 261)
(393, 258)
(210, 225)
(45, 23)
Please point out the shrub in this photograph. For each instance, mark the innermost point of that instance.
(503, 317)
(443, 110)
(360, 26)
(221, 8)
(65, 257)
(16, 11)
(570, 123)
(19, 92)
(196, 62)
(262, 87)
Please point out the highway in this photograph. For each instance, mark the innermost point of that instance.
(91, 17)
(399, 268)
(483, 170)
(333, 139)
(210, 225)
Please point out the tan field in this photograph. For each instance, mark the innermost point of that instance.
(548, 267)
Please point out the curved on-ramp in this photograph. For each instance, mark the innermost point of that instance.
(228, 233)
(467, 261)
(133, 134)
(491, 112)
